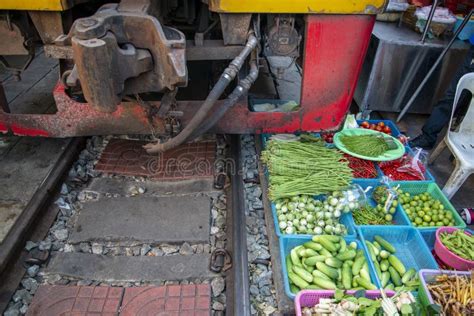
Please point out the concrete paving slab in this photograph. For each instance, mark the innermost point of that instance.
(9, 212)
(145, 219)
(129, 268)
(114, 186)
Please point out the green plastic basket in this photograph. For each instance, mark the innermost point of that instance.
(418, 187)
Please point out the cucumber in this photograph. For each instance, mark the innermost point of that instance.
(311, 261)
(294, 257)
(384, 264)
(353, 245)
(377, 245)
(299, 282)
(384, 254)
(370, 248)
(377, 269)
(310, 269)
(331, 238)
(325, 284)
(364, 272)
(301, 251)
(359, 253)
(385, 278)
(365, 284)
(348, 254)
(312, 287)
(294, 289)
(408, 275)
(319, 274)
(333, 262)
(346, 276)
(325, 252)
(302, 273)
(390, 287)
(313, 245)
(358, 263)
(349, 262)
(343, 247)
(327, 270)
(375, 250)
(395, 276)
(326, 242)
(309, 253)
(397, 264)
(385, 244)
(289, 264)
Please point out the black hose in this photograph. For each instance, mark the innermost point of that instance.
(241, 89)
(227, 76)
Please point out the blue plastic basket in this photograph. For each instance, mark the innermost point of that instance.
(399, 218)
(345, 219)
(429, 236)
(288, 243)
(417, 187)
(393, 127)
(410, 247)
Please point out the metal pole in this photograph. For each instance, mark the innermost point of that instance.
(433, 68)
(428, 22)
(241, 287)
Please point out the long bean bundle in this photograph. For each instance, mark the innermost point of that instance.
(365, 145)
(304, 168)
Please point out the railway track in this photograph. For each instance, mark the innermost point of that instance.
(156, 234)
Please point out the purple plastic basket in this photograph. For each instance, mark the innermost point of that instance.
(309, 298)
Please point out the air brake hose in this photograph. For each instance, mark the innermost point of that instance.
(227, 76)
(241, 89)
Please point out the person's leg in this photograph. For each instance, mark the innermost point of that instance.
(441, 113)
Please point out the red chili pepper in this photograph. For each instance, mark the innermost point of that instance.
(391, 170)
(361, 168)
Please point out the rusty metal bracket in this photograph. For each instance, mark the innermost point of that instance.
(221, 260)
(123, 50)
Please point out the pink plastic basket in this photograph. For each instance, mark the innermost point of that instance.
(309, 298)
(448, 257)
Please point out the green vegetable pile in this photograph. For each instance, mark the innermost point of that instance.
(304, 215)
(392, 273)
(459, 243)
(304, 168)
(327, 262)
(357, 304)
(365, 145)
(424, 210)
(382, 213)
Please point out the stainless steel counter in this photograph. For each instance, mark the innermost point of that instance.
(397, 62)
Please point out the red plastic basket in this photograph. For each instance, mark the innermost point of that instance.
(309, 298)
(448, 257)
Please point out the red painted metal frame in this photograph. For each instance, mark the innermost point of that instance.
(335, 47)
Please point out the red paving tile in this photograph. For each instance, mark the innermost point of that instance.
(127, 157)
(179, 300)
(52, 300)
(167, 300)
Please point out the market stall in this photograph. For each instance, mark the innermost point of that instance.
(363, 227)
(401, 55)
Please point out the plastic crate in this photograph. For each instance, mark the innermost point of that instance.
(399, 218)
(428, 176)
(408, 242)
(345, 219)
(288, 243)
(429, 236)
(427, 276)
(418, 187)
(309, 298)
(392, 125)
